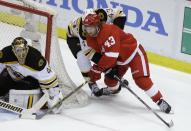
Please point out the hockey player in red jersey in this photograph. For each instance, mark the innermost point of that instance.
(76, 40)
(120, 51)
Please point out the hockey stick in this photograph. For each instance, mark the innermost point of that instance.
(25, 113)
(60, 102)
(16, 109)
(125, 84)
(11, 107)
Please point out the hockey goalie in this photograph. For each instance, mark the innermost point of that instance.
(25, 76)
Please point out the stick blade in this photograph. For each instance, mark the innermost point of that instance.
(171, 124)
(28, 116)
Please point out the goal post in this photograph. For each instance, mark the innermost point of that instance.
(37, 12)
(37, 24)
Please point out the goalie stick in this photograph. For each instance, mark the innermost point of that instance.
(25, 113)
(11, 107)
(59, 103)
(125, 84)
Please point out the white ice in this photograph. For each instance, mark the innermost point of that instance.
(122, 112)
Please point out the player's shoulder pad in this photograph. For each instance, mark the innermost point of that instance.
(118, 13)
(35, 60)
(7, 55)
(73, 27)
(102, 13)
(75, 24)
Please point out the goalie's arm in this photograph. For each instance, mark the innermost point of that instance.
(119, 18)
(47, 78)
(93, 55)
(49, 84)
(74, 44)
(40, 69)
(2, 66)
(120, 21)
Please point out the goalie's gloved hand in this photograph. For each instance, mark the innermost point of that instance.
(55, 95)
(111, 73)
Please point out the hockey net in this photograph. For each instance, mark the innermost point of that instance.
(37, 24)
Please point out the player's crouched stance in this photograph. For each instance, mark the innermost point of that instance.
(25, 74)
(120, 51)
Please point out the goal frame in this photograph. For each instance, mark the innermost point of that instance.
(37, 12)
(51, 50)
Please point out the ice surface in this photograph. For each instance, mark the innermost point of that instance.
(122, 112)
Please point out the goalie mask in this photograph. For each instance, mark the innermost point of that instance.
(20, 49)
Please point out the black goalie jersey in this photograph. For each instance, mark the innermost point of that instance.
(35, 66)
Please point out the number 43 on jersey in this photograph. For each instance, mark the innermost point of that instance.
(109, 42)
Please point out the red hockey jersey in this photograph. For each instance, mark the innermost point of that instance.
(116, 46)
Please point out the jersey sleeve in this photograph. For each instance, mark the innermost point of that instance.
(111, 49)
(73, 28)
(119, 18)
(47, 78)
(2, 66)
(118, 13)
(40, 69)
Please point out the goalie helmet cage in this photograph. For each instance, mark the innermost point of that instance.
(37, 23)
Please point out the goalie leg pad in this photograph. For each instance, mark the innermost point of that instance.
(24, 98)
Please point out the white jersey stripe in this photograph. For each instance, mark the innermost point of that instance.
(130, 58)
(152, 91)
(143, 62)
(112, 54)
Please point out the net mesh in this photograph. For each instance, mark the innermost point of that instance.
(37, 24)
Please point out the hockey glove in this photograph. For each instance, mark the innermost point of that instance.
(95, 73)
(55, 95)
(111, 73)
(106, 91)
